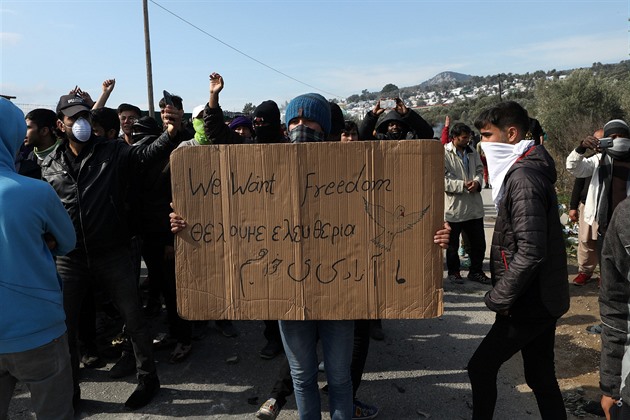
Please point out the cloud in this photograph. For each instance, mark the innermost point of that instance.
(576, 51)
(10, 39)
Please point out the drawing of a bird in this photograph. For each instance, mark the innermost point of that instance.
(391, 223)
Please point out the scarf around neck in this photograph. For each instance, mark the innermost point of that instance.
(500, 158)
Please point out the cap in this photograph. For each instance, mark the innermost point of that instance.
(71, 105)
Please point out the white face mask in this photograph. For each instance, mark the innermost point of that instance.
(82, 130)
(500, 158)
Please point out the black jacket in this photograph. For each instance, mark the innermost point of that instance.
(95, 198)
(614, 305)
(414, 126)
(528, 260)
(151, 196)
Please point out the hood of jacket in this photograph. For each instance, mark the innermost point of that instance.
(538, 159)
(391, 115)
(12, 132)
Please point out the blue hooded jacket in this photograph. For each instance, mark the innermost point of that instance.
(31, 300)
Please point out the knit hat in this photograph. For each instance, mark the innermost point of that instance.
(241, 121)
(71, 105)
(337, 121)
(312, 106)
(269, 112)
(615, 127)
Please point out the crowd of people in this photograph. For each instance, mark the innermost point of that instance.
(85, 196)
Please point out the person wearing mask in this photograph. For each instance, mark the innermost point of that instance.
(528, 264)
(90, 175)
(399, 123)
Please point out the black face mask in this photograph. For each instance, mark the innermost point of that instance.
(267, 133)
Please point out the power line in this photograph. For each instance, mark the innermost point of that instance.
(241, 52)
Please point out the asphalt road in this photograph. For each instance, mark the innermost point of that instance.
(417, 372)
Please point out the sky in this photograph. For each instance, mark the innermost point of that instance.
(278, 49)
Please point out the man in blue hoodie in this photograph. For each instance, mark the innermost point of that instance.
(34, 226)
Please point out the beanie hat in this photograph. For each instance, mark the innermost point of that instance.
(615, 127)
(337, 122)
(146, 126)
(241, 121)
(269, 112)
(312, 106)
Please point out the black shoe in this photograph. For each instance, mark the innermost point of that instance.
(125, 366)
(376, 330)
(271, 350)
(479, 278)
(92, 361)
(226, 328)
(148, 387)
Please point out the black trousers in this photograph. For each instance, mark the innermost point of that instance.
(161, 271)
(535, 340)
(476, 245)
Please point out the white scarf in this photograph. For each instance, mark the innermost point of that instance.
(500, 158)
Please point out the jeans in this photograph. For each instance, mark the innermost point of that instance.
(535, 340)
(300, 345)
(477, 245)
(111, 269)
(47, 373)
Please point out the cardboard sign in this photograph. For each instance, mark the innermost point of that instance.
(309, 231)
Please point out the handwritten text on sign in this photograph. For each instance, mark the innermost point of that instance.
(309, 231)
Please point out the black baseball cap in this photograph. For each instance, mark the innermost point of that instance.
(71, 105)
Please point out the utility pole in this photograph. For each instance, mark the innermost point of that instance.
(147, 50)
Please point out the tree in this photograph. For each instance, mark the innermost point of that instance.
(573, 108)
(389, 88)
(249, 108)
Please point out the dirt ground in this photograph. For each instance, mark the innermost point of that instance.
(577, 351)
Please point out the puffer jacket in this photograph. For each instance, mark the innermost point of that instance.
(528, 260)
(614, 306)
(459, 204)
(96, 198)
(413, 126)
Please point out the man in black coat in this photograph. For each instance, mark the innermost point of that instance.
(528, 264)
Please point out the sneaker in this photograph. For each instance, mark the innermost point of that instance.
(271, 350)
(455, 278)
(363, 411)
(225, 327)
(479, 278)
(148, 387)
(269, 410)
(581, 279)
(125, 366)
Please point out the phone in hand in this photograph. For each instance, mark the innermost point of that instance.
(605, 143)
(168, 98)
(387, 104)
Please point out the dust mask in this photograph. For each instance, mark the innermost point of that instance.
(82, 130)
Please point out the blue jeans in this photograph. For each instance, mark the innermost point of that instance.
(47, 373)
(300, 345)
(112, 270)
